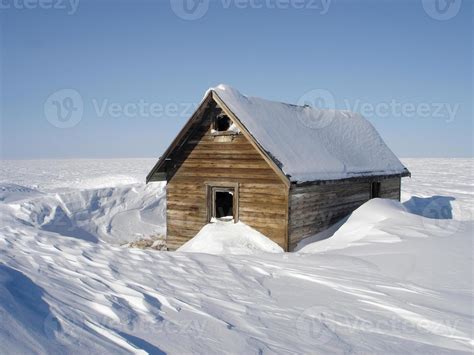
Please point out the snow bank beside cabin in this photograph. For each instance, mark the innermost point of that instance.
(409, 248)
(92, 200)
(358, 227)
(311, 143)
(230, 238)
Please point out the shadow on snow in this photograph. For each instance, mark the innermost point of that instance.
(434, 207)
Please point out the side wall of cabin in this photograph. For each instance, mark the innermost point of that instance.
(314, 208)
(207, 158)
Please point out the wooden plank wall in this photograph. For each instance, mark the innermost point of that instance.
(391, 188)
(263, 197)
(314, 208)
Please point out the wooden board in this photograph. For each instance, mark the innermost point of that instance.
(314, 208)
(263, 196)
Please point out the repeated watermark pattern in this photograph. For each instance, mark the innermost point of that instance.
(321, 325)
(394, 108)
(65, 108)
(442, 10)
(195, 9)
(142, 109)
(68, 6)
(324, 99)
(53, 327)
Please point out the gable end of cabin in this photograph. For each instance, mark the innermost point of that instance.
(217, 171)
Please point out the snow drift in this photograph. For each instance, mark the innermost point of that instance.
(67, 294)
(358, 228)
(221, 237)
(102, 207)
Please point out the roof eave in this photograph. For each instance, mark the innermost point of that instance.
(159, 164)
(405, 173)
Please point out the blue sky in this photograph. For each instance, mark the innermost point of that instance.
(138, 68)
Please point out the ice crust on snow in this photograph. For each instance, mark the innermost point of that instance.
(310, 143)
(227, 237)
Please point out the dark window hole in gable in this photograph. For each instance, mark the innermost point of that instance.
(222, 123)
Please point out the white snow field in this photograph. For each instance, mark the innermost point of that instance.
(393, 278)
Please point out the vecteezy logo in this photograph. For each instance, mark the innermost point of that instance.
(323, 112)
(314, 326)
(51, 326)
(442, 9)
(190, 9)
(64, 108)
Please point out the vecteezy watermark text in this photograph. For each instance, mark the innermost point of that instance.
(196, 9)
(195, 328)
(65, 108)
(321, 5)
(142, 109)
(70, 6)
(394, 108)
(320, 325)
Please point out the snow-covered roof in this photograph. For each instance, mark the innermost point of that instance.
(312, 144)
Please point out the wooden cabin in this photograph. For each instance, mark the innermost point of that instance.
(287, 171)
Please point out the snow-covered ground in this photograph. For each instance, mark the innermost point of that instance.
(394, 278)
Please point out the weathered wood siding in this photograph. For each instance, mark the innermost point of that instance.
(314, 208)
(391, 188)
(205, 157)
